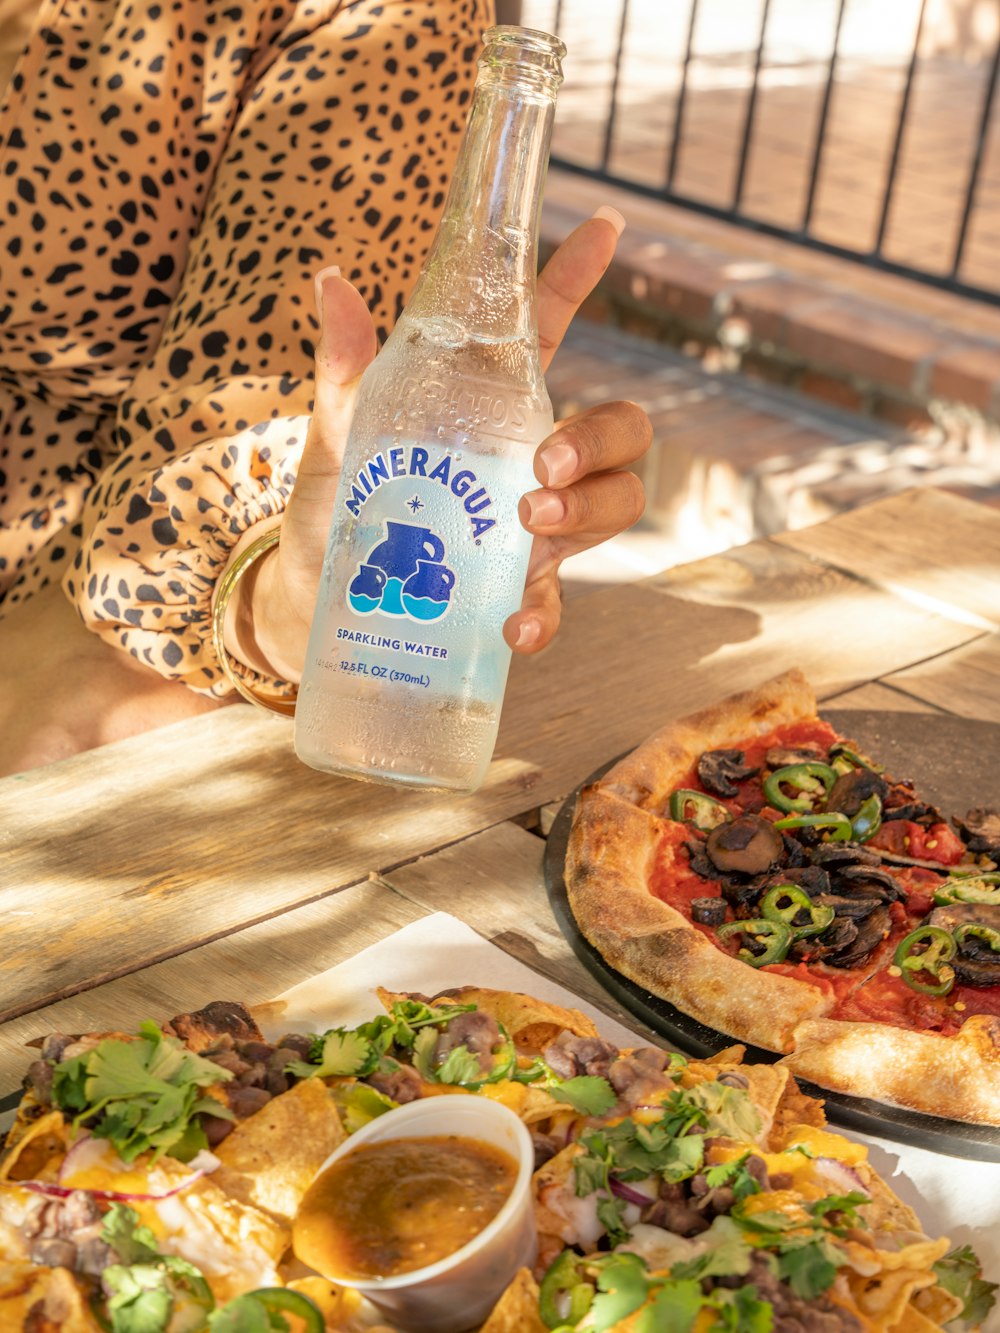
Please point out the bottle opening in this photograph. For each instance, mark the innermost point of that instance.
(523, 52)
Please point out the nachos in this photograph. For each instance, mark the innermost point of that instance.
(150, 1180)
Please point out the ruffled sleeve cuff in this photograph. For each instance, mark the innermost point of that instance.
(144, 577)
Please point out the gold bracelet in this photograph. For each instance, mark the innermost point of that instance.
(270, 702)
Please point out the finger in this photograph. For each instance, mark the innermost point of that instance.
(572, 274)
(593, 509)
(534, 626)
(611, 435)
(346, 347)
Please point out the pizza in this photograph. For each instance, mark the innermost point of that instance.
(152, 1179)
(759, 872)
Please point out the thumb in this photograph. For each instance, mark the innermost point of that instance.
(347, 346)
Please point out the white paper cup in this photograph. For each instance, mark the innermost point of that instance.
(458, 1292)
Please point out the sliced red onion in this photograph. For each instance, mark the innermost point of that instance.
(844, 1177)
(84, 1152)
(628, 1194)
(53, 1191)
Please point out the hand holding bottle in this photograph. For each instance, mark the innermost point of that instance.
(585, 495)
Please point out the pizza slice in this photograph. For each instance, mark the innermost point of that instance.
(757, 870)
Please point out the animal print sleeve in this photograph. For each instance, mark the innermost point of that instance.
(341, 154)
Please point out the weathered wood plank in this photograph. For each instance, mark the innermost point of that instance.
(941, 551)
(252, 965)
(965, 681)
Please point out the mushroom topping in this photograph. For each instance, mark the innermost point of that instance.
(976, 962)
(981, 829)
(837, 936)
(871, 932)
(720, 770)
(749, 845)
(781, 756)
(812, 879)
(832, 855)
(852, 790)
(708, 911)
(855, 908)
(915, 811)
(869, 880)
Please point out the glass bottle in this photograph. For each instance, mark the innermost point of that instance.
(406, 665)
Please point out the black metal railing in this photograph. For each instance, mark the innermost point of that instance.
(896, 235)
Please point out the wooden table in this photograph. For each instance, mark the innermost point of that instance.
(203, 861)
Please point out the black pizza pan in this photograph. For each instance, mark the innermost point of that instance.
(955, 765)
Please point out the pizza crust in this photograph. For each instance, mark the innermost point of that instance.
(611, 851)
(957, 1077)
(648, 775)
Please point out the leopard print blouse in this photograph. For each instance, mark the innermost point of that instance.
(172, 175)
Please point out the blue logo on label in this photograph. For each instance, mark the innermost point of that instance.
(403, 575)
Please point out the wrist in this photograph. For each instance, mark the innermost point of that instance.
(257, 626)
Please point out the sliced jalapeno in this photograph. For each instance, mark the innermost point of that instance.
(810, 780)
(776, 936)
(563, 1296)
(929, 950)
(697, 808)
(787, 902)
(973, 930)
(838, 826)
(867, 822)
(276, 1302)
(838, 750)
(969, 889)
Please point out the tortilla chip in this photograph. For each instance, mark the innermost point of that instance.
(937, 1305)
(517, 1309)
(35, 1144)
(43, 1297)
(913, 1321)
(270, 1159)
(885, 1299)
(794, 1108)
(886, 1212)
(532, 1023)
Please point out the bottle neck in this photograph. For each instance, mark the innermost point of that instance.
(481, 267)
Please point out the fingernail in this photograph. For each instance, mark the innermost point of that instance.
(529, 633)
(545, 509)
(332, 271)
(561, 462)
(611, 215)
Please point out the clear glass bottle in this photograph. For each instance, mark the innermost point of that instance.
(406, 665)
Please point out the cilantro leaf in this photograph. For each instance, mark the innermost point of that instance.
(673, 1309)
(741, 1312)
(588, 1094)
(847, 1204)
(246, 1314)
(726, 1110)
(344, 1052)
(735, 1175)
(142, 1094)
(358, 1103)
(809, 1269)
(611, 1215)
(622, 1287)
(139, 1298)
(460, 1066)
(130, 1240)
(959, 1273)
(728, 1256)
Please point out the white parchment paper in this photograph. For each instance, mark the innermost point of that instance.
(952, 1195)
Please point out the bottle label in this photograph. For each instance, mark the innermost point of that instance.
(415, 461)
